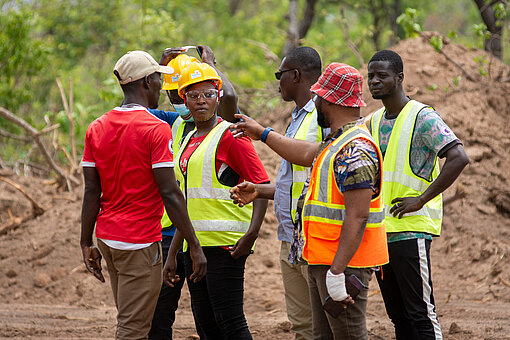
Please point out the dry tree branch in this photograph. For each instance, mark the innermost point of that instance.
(48, 129)
(427, 37)
(14, 222)
(468, 76)
(26, 159)
(71, 120)
(351, 45)
(35, 136)
(269, 55)
(7, 134)
(37, 208)
(69, 113)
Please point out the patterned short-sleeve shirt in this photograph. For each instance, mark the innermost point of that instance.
(356, 166)
(431, 139)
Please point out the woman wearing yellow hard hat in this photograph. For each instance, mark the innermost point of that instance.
(181, 123)
(209, 163)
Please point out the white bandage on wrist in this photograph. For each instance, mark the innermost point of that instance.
(335, 283)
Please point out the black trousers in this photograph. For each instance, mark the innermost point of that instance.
(406, 288)
(168, 300)
(217, 299)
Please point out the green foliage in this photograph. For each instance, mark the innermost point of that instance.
(501, 13)
(408, 22)
(481, 65)
(482, 33)
(21, 58)
(457, 80)
(452, 34)
(81, 40)
(437, 42)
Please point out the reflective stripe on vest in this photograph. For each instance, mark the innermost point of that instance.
(216, 219)
(324, 212)
(399, 179)
(310, 131)
(177, 134)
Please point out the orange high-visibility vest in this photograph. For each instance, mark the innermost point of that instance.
(324, 211)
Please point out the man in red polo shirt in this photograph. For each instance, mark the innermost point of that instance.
(129, 179)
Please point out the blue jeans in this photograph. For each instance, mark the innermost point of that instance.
(217, 299)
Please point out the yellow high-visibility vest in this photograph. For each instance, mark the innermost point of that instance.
(216, 219)
(399, 179)
(177, 134)
(324, 211)
(310, 131)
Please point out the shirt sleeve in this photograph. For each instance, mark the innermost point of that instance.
(357, 166)
(88, 157)
(240, 155)
(166, 116)
(435, 134)
(161, 147)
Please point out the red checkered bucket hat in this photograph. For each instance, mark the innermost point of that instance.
(340, 84)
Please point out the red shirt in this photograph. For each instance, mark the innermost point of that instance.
(238, 153)
(124, 145)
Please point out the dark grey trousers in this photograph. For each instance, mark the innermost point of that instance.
(351, 324)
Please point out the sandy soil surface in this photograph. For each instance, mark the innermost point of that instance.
(46, 293)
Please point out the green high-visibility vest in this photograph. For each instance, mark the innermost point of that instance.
(177, 134)
(310, 131)
(399, 180)
(216, 219)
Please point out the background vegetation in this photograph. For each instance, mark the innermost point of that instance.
(79, 41)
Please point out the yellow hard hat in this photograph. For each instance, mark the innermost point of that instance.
(197, 73)
(179, 63)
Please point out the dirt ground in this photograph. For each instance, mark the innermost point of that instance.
(46, 293)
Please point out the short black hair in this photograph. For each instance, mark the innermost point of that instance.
(396, 63)
(132, 86)
(306, 59)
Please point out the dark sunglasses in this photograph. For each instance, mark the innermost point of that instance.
(278, 74)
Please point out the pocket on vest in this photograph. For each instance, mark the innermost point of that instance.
(324, 231)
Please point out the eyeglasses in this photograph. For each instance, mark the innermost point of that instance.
(278, 74)
(208, 94)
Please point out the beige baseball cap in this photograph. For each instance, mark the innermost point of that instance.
(135, 65)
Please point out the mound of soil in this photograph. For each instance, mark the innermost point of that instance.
(47, 293)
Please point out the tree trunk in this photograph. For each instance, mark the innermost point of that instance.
(377, 24)
(233, 6)
(493, 43)
(292, 35)
(305, 24)
(297, 30)
(394, 13)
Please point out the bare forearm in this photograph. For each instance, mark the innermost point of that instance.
(357, 210)
(176, 244)
(89, 212)
(352, 233)
(265, 191)
(456, 161)
(175, 206)
(295, 151)
(259, 211)
(91, 204)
